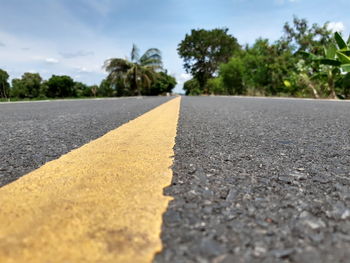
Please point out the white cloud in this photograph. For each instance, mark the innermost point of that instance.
(184, 77)
(336, 26)
(51, 60)
(181, 78)
(32, 71)
(80, 53)
(84, 70)
(45, 56)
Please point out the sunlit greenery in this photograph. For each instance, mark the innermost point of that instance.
(142, 75)
(137, 74)
(204, 50)
(306, 61)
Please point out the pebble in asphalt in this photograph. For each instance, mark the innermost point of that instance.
(32, 134)
(259, 180)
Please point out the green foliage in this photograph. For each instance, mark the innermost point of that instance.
(215, 86)
(4, 85)
(345, 85)
(60, 87)
(137, 74)
(258, 70)
(81, 90)
(106, 89)
(330, 65)
(231, 75)
(204, 50)
(164, 83)
(29, 86)
(340, 41)
(192, 87)
(305, 62)
(18, 90)
(303, 37)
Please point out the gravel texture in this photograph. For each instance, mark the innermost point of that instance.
(259, 180)
(33, 133)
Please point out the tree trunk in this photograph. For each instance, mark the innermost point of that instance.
(136, 86)
(311, 86)
(3, 90)
(306, 80)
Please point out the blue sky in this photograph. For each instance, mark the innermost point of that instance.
(75, 37)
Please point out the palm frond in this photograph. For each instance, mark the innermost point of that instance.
(117, 64)
(135, 75)
(152, 57)
(135, 53)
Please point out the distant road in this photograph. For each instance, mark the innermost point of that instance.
(253, 179)
(32, 133)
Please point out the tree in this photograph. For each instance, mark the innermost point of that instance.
(333, 64)
(231, 75)
(94, 89)
(60, 86)
(258, 69)
(136, 74)
(164, 83)
(192, 87)
(4, 85)
(81, 89)
(106, 89)
(27, 87)
(300, 83)
(256, 61)
(204, 50)
(302, 37)
(18, 90)
(215, 86)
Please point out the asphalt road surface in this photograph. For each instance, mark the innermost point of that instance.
(259, 180)
(34, 133)
(254, 180)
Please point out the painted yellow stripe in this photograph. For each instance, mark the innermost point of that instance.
(100, 203)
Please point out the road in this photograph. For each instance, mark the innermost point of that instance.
(34, 133)
(254, 179)
(260, 180)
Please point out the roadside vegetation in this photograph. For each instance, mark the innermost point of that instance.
(307, 61)
(141, 75)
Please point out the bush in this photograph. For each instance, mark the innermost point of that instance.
(231, 75)
(60, 87)
(106, 89)
(192, 87)
(164, 83)
(27, 87)
(215, 86)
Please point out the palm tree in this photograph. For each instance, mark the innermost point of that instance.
(138, 72)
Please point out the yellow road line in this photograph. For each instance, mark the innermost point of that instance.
(100, 203)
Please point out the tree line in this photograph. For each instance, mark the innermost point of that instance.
(306, 61)
(141, 75)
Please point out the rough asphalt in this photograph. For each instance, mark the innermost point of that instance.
(255, 180)
(33, 133)
(259, 180)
